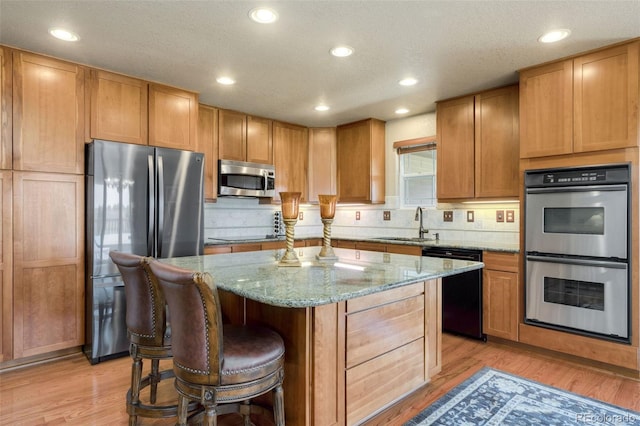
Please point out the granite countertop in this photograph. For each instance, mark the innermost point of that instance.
(478, 245)
(257, 276)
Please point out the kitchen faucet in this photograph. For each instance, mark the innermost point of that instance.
(421, 230)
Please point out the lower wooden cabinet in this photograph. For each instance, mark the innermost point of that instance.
(6, 266)
(500, 295)
(48, 256)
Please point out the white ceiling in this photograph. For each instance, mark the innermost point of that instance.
(284, 69)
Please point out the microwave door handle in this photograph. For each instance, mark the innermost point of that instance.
(581, 262)
(265, 176)
(586, 188)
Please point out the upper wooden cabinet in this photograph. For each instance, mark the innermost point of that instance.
(6, 142)
(290, 155)
(48, 114)
(586, 103)
(322, 162)
(360, 162)
(173, 117)
(497, 143)
(119, 108)
(245, 138)
(208, 144)
(455, 138)
(477, 138)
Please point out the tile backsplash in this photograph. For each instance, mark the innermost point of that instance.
(233, 218)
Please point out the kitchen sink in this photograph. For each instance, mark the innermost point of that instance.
(411, 239)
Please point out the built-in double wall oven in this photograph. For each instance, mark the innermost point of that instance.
(577, 244)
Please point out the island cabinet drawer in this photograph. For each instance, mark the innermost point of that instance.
(376, 331)
(384, 297)
(380, 381)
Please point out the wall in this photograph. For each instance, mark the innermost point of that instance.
(232, 217)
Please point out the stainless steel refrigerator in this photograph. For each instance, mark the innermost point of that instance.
(141, 200)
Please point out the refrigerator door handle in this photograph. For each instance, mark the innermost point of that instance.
(160, 204)
(152, 212)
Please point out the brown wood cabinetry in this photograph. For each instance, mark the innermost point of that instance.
(374, 246)
(6, 91)
(455, 134)
(478, 145)
(501, 295)
(245, 138)
(48, 286)
(582, 104)
(6, 266)
(48, 114)
(360, 162)
(119, 108)
(130, 110)
(290, 157)
(208, 144)
(173, 117)
(322, 162)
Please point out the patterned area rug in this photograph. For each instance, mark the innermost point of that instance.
(496, 398)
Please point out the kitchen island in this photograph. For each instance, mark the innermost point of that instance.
(360, 332)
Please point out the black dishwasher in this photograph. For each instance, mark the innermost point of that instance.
(461, 294)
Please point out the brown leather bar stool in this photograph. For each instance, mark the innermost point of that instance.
(220, 366)
(148, 334)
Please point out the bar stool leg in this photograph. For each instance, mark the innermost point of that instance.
(154, 379)
(136, 377)
(278, 405)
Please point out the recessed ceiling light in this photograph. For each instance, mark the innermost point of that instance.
(321, 108)
(408, 81)
(342, 51)
(402, 111)
(553, 36)
(62, 34)
(227, 81)
(263, 15)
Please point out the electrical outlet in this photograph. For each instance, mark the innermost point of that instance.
(510, 217)
(447, 216)
(386, 215)
(499, 215)
(470, 216)
(357, 215)
(301, 216)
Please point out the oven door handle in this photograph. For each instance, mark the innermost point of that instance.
(582, 262)
(585, 188)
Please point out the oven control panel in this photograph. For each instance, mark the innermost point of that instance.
(613, 174)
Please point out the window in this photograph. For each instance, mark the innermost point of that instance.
(417, 177)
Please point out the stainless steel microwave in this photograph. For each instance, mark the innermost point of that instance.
(243, 179)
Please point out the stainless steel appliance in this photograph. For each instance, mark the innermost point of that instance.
(577, 267)
(461, 294)
(142, 200)
(239, 178)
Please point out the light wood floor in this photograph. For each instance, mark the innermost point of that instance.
(71, 391)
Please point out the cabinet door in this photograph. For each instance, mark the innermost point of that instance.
(48, 114)
(546, 110)
(259, 140)
(208, 144)
(606, 99)
(497, 143)
(6, 266)
(360, 162)
(322, 162)
(455, 138)
(173, 117)
(6, 142)
(119, 108)
(48, 290)
(500, 295)
(290, 155)
(232, 135)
